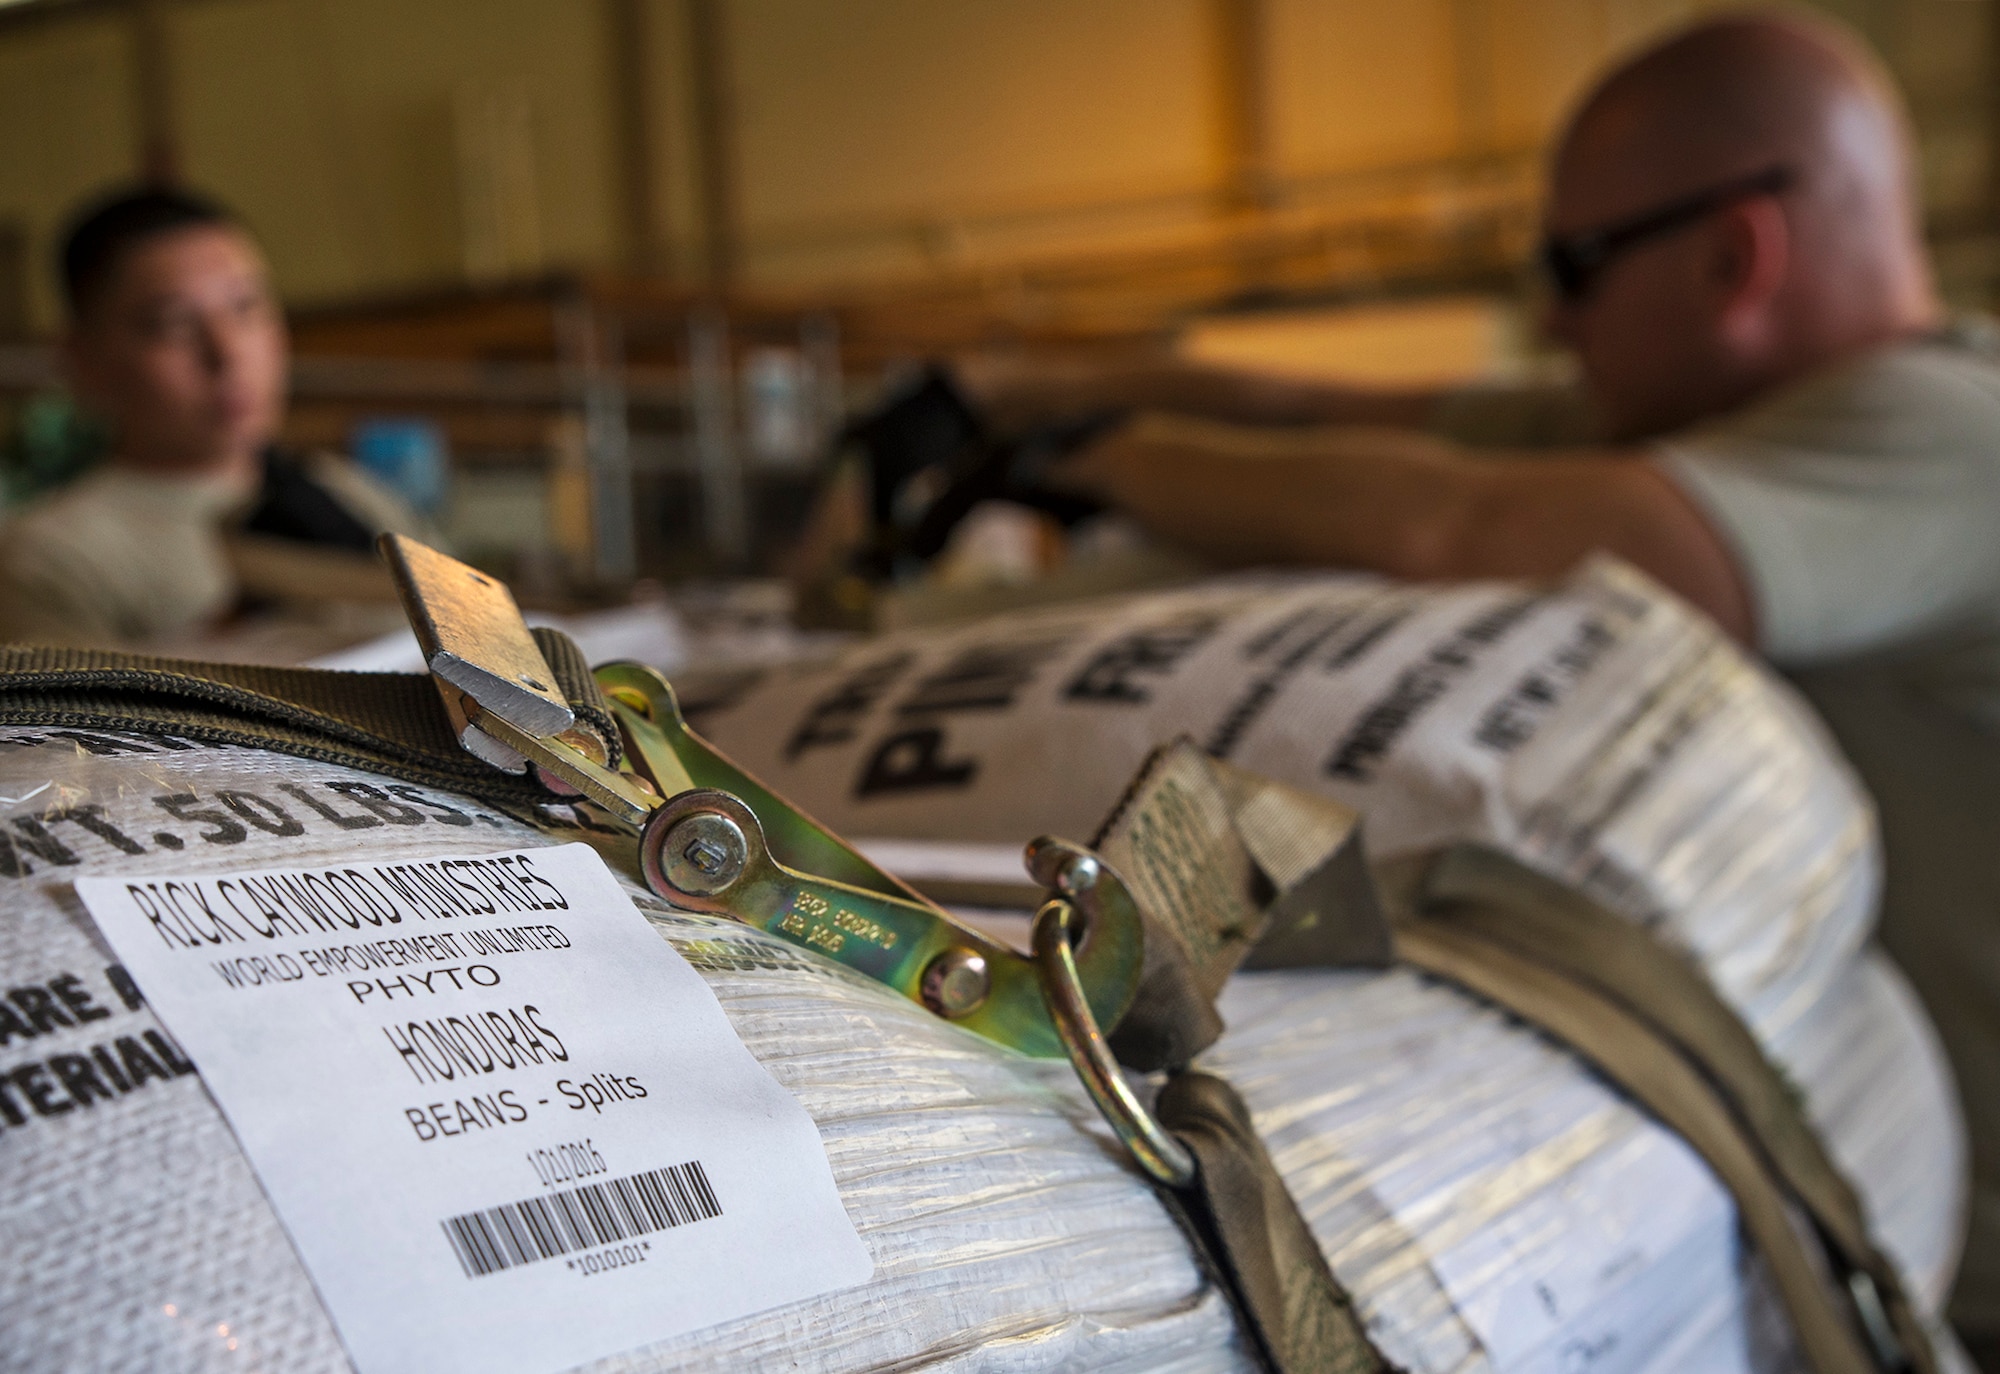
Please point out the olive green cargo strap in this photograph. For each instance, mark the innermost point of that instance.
(1650, 1022)
(578, 684)
(380, 722)
(1243, 871)
(1242, 1213)
(1228, 866)
(1233, 869)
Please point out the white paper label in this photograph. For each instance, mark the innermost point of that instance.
(506, 1125)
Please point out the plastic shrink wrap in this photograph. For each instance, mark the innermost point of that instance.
(1490, 1204)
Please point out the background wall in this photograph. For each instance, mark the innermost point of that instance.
(384, 147)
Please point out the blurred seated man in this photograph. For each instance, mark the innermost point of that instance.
(175, 338)
(1788, 432)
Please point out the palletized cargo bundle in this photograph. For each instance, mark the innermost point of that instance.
(1486, 1201)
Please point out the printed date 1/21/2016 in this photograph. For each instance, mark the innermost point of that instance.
(567, 1162)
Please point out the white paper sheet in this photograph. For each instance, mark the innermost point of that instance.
(505, 1124)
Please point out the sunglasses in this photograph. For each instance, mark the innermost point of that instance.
(1573, 262)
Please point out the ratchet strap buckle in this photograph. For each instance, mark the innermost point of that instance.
(714, 839)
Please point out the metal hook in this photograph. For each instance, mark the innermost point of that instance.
(1163, 1158)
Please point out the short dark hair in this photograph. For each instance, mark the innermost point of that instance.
(107, 229)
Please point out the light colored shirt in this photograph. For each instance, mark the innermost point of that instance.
(121, 557)
(118, 556)
(1863, 508)
(1863, 504)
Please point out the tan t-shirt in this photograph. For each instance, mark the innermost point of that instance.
(1864, 503)
(120, 557)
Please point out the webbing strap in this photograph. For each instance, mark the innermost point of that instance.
(1643, 1017)
(579, 686)
(1212, 852)
(1225, 864)
(1483, 891)
(383, 722)
(1230, 867)
(1242, 1215)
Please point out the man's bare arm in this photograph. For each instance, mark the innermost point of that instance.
(1411, 506)
(1022, 390)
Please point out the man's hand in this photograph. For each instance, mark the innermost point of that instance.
(1403, 503)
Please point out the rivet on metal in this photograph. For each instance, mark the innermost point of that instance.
(586, 743)
(704, 853)
(956, 982)
(1079, 875)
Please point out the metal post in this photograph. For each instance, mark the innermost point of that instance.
(630, 29)
(819, 340)
(1242, 105)
(725, 516)
(592, 353)
(1992, 83)
(1472, 51)
(153, 94)
(715, 139)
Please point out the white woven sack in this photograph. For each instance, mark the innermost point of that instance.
(1600, 730)
(1453, 1166)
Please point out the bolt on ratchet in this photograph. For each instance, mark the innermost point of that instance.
(713, 839)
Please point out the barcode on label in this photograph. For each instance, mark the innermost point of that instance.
(540, 1228)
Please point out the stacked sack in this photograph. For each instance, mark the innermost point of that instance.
(1489, 1203)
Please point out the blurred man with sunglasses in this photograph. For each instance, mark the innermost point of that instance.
(1781, 425)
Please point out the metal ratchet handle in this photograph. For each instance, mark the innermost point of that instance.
(708, 830)
(660, 744)
(710, 848)
(706, 850)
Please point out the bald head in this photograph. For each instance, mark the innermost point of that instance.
(1770, 287)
